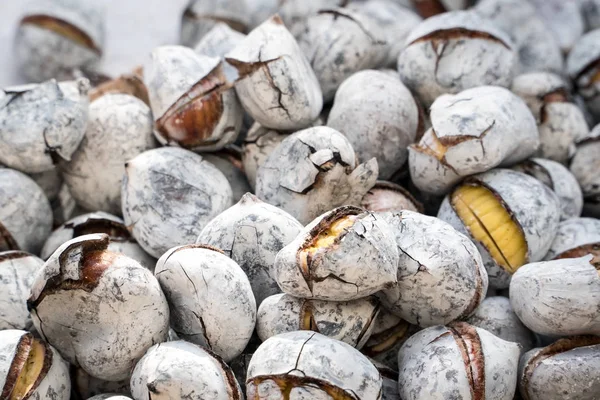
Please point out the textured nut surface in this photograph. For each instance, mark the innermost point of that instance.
(575, 237)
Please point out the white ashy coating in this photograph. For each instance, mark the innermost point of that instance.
(17, 270)
(55, 115)
(193, 104)
(379, 116)
(53, 382)
(558, 298)
(98, 222)
(387, 196)
(210, 298)
(169, 195)
(259, 143)
(536, 46)
(339, 42)
(276, 83)
(573, 234)
(558, 178)
(582, 69)
(563, 18)
(55, 37)
(361, 261)
(252, 232)
(50, 181)
(441, 277)
(460, 361)
(472, 132)
(109, 397)
(313, 171)
(349, 321)
(590, 9)
(560, 122)
(119, 128)
(260, 10)
(534, 207)
(434, 48)
(496, 315)
(585, 164)
(200, 16)
(294, 13)
(314, 366)
(220, 40)
(231, 166)
(183, 370)
(116, 307)
(565, 370)
(25, 213)
(395, 20)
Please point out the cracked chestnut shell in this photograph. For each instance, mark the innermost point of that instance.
(291, 366)
(387, 196)
(441, 277)
(252, 232)
(31, 369)
(131, 84)
(109, 396)
(349, 321)
(55, 37)
(471, 132)
(55, 115)
(559, 297)
(210, 298)
(220, 40)
(25, 213)
(560, 122)
(193, 104)
(276, 84)
(567, 369)
(575, 237)
(584, 165)
(17, 271)
(121, 240)
(583, 67)
(101, 310)
(183, 370)
(313, 171)
(200, 16)
(344, 254)
(457, 361)
(434, 48)
(511, 217)
(558, 178)
(429, 8)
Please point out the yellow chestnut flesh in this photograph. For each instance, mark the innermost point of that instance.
(491, 224)
(328, 236)
(430, 144)
(31, 371)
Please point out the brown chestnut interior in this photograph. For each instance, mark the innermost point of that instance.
(62, 28)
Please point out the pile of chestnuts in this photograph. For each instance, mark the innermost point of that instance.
(317, 199)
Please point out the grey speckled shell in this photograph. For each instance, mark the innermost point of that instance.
(349, 321)
(482, 128)
(303, 354)
(434, 48)
(168, 195)
(55, 116)
(363, 261)
(17, 270)
(585, 164)
(534, 42)
(496, 315)
(235, 175)
(324, 174)
(558, 298)
(294, 13)
(220, 40)
(563, 18)
(379, 116)
(560, 122)
(441, 276)
(573, 233)
(54, 386)
(201, 16)
(182, 370)
(210, 299)
(580, 67)
(560, 180)
(387, 196)
(260, 10)
(97, 331)
(126, 246)
(259, 143)
(533, 206)
(276, 86)
(24, 211)
(44, 54)
(590, 9)
(109, 397)
(431, 366)
(119, 128)
(252, 233)
(567, 375)
(339, 42)
(50, 181)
